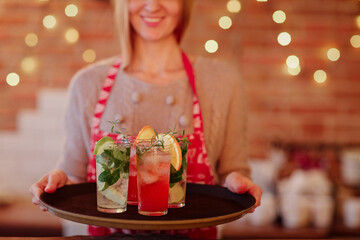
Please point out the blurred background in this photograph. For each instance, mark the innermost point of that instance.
(300, 62)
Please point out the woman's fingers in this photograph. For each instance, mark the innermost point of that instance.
(35, 192)
(238, 183)
(56, 179)
(48, 183)
(256, 192)
(37, 188)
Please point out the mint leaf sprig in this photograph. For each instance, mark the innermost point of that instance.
(116, 129)
(184, 140)
(114, 162)
(172, 131)
(154, 142)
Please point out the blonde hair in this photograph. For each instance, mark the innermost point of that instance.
(126, 32)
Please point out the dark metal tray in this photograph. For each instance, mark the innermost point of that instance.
(206, 205)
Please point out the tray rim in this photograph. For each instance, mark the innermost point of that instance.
(144, 224)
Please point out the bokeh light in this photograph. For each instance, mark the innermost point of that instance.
(12, 79)
(355, 41)
(211, 46)
(89, 55)
(31, 39)
(72, 35)
(279, 16)
(233, 6)
(29, 65)
(225, 22)
(284, 39)
(320, 76)
(71, 10)
(357, 20)
(333, 54)
(49, 21)
(294, 71)
(292, 61)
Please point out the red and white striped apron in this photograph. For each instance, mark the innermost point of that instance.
(198, 168)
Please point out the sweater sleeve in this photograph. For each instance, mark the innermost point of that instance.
(83, 92)
(233, 155)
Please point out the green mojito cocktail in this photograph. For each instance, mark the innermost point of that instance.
(112, 174)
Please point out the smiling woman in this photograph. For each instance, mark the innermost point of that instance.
(208, 104)
(125, 18)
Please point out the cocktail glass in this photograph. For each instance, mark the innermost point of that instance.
(153, 171)
(177, 185)
(132, 190)
(112, 175)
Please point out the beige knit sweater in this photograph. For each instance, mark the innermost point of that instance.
(222, 100)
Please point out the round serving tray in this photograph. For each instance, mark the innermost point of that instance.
(206, 206)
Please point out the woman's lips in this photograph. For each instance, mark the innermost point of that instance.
(152, 21)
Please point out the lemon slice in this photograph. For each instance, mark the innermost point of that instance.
(146, 132)
(175, 150)
(176, 193)
(104, 143)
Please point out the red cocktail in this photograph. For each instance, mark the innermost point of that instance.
(132, 190)
(153, 171)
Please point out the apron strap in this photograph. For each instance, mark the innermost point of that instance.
(105, 93)
(189, 71)
(197, 115)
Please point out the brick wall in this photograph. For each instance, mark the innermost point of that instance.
(289, 108)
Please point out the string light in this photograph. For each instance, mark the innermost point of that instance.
(71, 10)
(49, 21)
(293, 65)
(12, 79)
(357, 20)
(292, 61)
(72, 35)
(355, 41)
(333, 54)
(225, 22)
(233, 6)
(31, 39)
(294, 71)
(320, 76)
(279, 16)
(211, 46)
(284, 39)
(89, 55)
(29, 65)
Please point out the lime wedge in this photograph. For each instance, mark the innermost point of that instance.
(99, 170)
(115, 195)
(102, 144)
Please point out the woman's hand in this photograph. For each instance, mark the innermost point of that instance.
(48, 183)
(238, 183)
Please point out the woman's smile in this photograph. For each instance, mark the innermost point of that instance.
(155, 20)
(151, 21)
